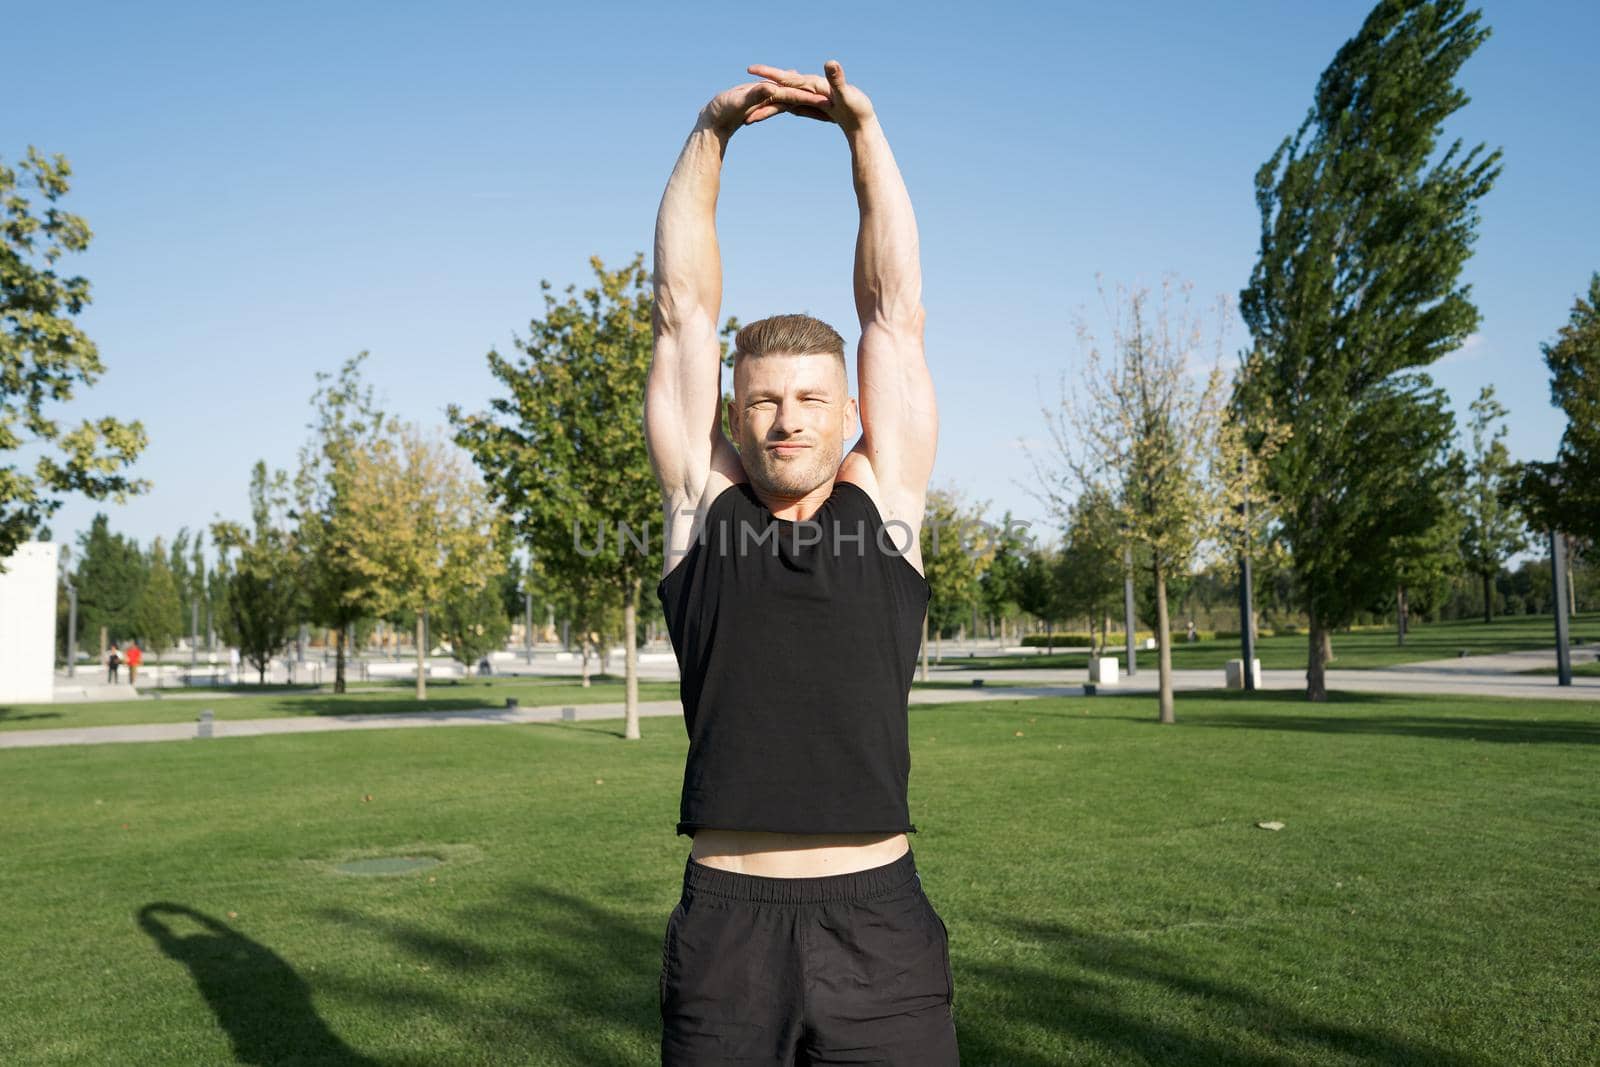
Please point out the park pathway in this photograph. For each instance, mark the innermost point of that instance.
(1484, 676)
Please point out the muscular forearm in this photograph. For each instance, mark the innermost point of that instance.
(888, 273)
(688, 265)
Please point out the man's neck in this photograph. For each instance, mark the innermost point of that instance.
(795, 508)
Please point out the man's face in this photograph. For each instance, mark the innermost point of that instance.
(790, 416)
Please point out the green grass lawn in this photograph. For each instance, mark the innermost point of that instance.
(248, 702)
(1431, 900)
(1360, 650)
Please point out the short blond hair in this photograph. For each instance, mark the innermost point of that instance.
(794, 335)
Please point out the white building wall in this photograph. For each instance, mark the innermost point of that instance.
(28, 624)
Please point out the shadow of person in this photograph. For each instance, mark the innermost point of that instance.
(258, 999)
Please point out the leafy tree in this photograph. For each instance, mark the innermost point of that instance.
(1039, 591)
(564, 454)
(1426, 562)
(1141, 433)
(263, 603)
(1363, 237)
(419, 527)
(954, 553)
(1091, 568)
(474, 622)
(44, 358)
(110, 579)
(1492, 529)
(1565, 494)
(160, 607)
(347, 423)
(997, 585)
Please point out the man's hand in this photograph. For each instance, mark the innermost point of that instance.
(842, 103)
(754, 101)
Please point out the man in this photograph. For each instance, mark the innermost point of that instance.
(794, 595)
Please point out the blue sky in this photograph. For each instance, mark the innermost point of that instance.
(275, 188)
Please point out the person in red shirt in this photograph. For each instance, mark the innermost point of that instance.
(133, 657)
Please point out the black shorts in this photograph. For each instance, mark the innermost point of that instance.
(845, 968)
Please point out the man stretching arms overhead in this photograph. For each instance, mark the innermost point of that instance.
(794, 595)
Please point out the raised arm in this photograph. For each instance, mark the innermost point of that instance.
(682, 423)
(899, 416)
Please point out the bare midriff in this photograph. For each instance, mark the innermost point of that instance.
(795, 855)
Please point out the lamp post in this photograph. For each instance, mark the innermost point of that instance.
(1247, 636)
(1558, 563)
(527, 626)
(1127, 606)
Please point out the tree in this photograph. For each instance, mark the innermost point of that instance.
(954, 555)
(347, 423)
(419, 527)
(564, 452)
(110, 579)
(263, 603)
(1039, 590)
(1091, 569)
(160, 608)
(1363, 237)
(1565, 494)
(1425, 562)
(475, 621)
(997, 586)
(44, 358)
(1492, 529)
(1143, 436)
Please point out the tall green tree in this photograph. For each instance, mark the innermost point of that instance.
(45, 357)
(1091, 560)
(264, 602)
(1565, 494)
(563, 451)
(1039, 590)
(997, 585)
(1492, 530)
(160, 608)
(1364, 231)
(957, 547)
(347, 423)
(110, 578)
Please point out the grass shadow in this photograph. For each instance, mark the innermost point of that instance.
(585, 974)
(14, 715)
(1094, 991)
(259, 1001)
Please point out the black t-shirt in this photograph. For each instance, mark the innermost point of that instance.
(796, 643)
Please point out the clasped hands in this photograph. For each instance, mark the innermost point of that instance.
(825, 97)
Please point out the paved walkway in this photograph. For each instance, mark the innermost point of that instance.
(184, 731)
(1490, 676)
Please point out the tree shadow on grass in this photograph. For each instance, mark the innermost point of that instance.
(259, 1001)
(17, 715)
(584, 975)
(1091, 994)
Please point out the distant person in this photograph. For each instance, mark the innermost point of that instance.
(135, 657)
(1192, 636)
(113, 661)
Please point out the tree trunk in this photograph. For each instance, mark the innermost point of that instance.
(1317, 664)
(1327, 646)
(1400, 619)
(422, 654)
(1049, 636)
(924, 646)
(1164, 645)
(583, 644)
(1488, 597)
(338, 660)
(938, 645)
(630, 626)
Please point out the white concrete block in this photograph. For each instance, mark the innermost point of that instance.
(28, 624)
(1103, 670)
(1233, 673)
